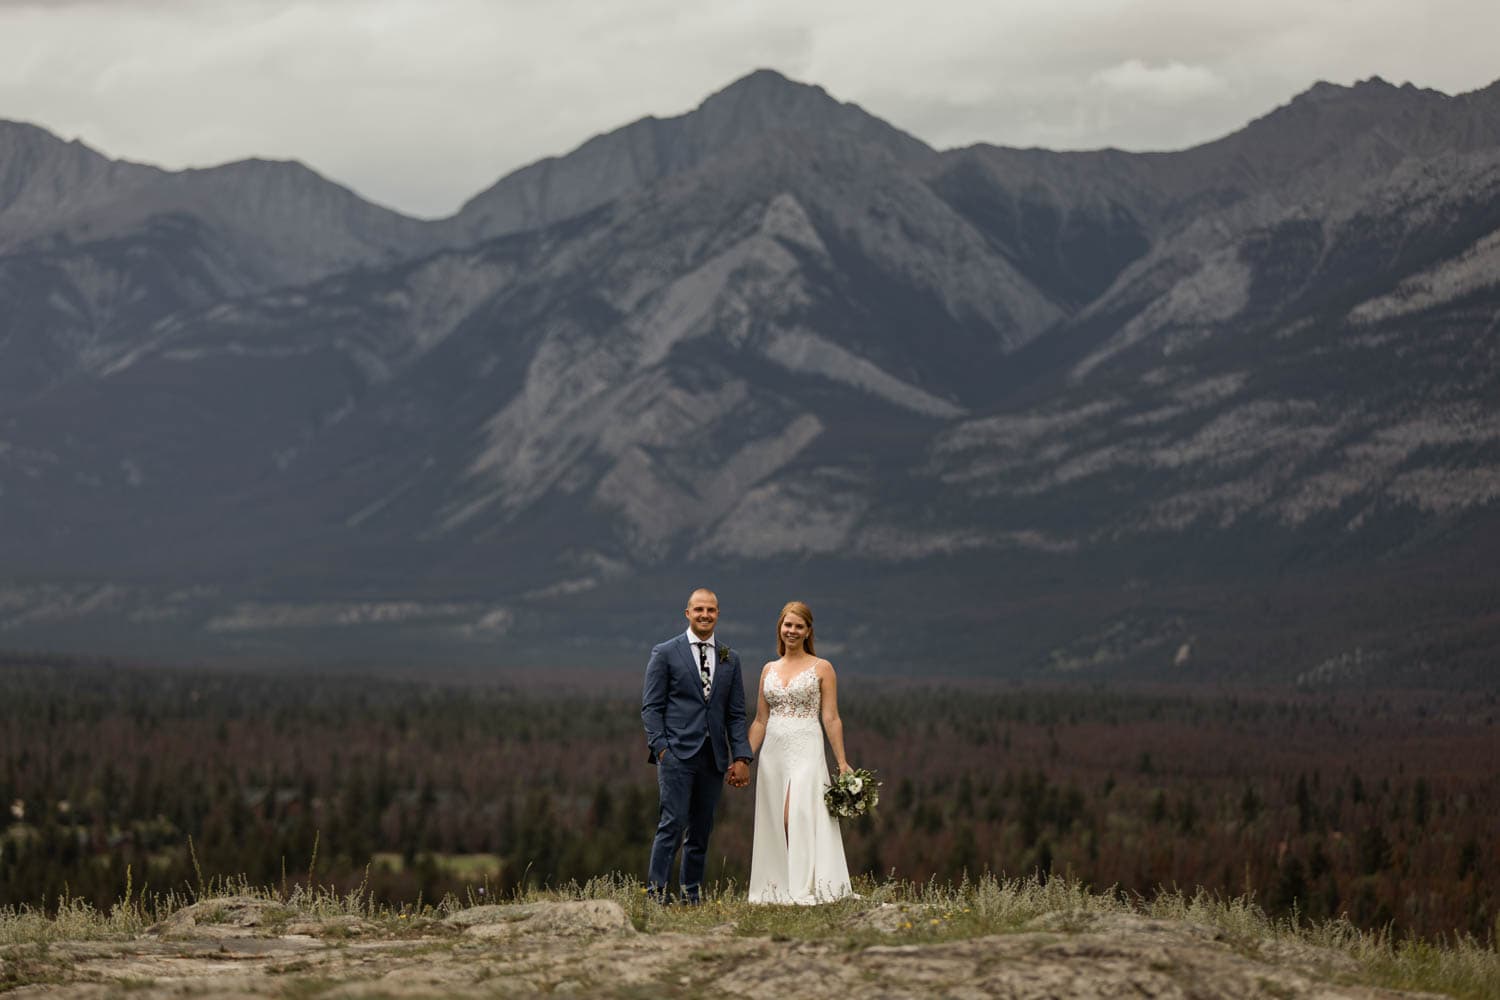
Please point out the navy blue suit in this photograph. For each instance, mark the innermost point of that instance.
(700, 738)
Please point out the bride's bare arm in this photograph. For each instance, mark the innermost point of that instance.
(833, 726)
(762, 714)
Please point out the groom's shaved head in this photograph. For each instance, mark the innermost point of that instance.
(702, 612)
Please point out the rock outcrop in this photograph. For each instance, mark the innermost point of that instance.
(241, 947)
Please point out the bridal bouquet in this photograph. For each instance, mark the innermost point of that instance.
(852, 794)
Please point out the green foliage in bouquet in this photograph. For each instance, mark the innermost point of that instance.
(852, 794)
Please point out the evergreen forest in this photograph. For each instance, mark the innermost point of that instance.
(1376, 804)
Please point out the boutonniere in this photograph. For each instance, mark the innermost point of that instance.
(723, 652)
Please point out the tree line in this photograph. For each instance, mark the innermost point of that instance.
(1379, 806)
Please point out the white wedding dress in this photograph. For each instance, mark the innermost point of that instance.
(801, 861)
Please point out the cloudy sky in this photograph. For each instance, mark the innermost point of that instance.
(419, 104)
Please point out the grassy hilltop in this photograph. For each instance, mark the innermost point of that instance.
(1021, 937)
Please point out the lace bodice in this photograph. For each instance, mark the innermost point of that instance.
(800, 699)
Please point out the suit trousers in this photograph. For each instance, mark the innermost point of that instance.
(690, 792)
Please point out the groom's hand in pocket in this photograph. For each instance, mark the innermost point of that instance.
(739, 774)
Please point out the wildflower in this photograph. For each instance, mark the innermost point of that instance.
(934, 921)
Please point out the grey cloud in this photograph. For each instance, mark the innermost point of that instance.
(421, 103)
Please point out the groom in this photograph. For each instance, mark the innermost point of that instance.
(693, 708)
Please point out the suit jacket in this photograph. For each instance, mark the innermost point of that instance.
(675, 714)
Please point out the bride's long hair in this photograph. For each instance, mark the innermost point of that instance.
(801, 611)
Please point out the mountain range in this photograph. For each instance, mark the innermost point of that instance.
(1229, 412)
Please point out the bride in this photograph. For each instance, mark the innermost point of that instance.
(798, 854)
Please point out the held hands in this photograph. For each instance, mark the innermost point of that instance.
(739, 774)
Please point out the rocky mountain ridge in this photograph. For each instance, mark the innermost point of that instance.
(776, 340)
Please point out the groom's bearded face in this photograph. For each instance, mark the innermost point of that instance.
(703, 613)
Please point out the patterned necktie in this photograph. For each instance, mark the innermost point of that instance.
(703, 668)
